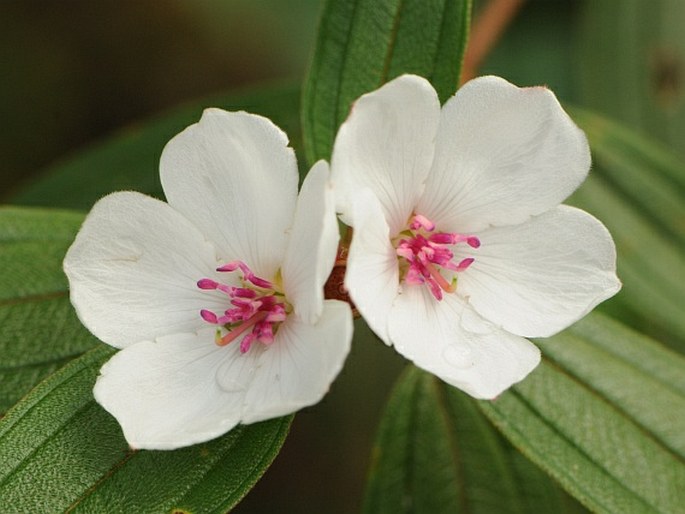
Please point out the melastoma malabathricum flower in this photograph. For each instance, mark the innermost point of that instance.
(461, 249)
(216, 297)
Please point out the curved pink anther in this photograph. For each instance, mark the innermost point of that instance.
(247, 273)
(419, 221)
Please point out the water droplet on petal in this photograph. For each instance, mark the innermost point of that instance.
(231, 385)
(235, 375)
(474, 323)
(458, 356)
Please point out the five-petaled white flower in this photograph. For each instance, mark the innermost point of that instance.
(460, 247)
(216, 297)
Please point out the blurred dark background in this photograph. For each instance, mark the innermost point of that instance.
(74, 71)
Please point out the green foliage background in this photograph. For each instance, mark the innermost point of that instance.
(613, 56)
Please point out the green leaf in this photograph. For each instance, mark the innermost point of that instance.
(129, 160)
(636, 188)
(435, 452)
(364, 43)
(643, 171)
(605, 415)
(62, 452)
(39, 331)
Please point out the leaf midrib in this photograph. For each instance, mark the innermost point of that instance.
(34, 298)
(460, 474)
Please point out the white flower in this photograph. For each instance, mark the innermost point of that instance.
(460, 247)
(233, 255)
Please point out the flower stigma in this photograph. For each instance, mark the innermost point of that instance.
(257, 305)
(425, 251)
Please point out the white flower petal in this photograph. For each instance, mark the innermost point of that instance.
(372, 276)
(537, 278)
(502, 154)
(133, 270)
(386, 144)
(233, 175)
(297, 369)
(313, 244)
(451, 341)
(165, 395)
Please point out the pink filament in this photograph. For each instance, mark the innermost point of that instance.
(259, 311)
(426, 252)
(233, 334)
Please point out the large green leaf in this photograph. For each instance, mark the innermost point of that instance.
(636, 188)
(62, 452)
(130, 159)
(39, 331)
(605, 415)
(364, 43)
(435, 452)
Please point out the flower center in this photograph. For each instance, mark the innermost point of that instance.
(426, 251)
(257, 307)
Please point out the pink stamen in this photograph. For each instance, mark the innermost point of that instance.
(473, 241)
(243, 292)
(208, 316)
(234, 333)
(444, 284)
(465, 263)
(207, 283)
(247, 341)
(247, 274)
(276, 314)
(453, 238)
(265, 333)
(420, 221)
(435, 289)
(231, 266)
(426, 252)
(258, 312)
